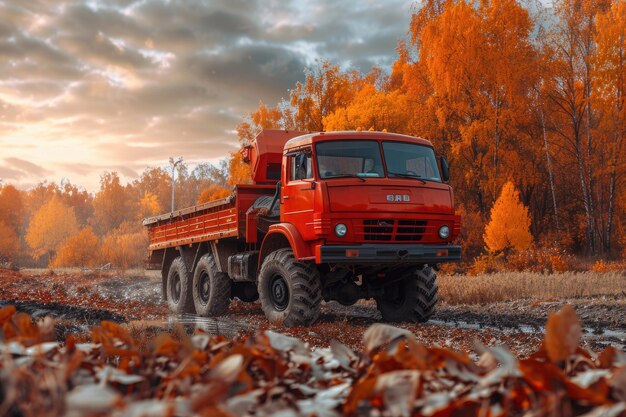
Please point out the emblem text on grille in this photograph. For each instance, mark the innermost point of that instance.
(398, 198)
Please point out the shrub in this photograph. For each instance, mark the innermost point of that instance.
(81, 249)
(125, 247)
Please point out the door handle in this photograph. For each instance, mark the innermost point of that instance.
(285, 197)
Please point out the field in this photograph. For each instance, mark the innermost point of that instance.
(476, 315)
(503, 308)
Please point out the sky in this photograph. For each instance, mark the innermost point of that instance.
(119, 85)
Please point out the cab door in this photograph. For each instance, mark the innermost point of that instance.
(298, 193)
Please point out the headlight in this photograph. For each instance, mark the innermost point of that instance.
(444, 232)
(341, 230)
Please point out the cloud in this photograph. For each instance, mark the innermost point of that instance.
(118, 85)
(28, 168)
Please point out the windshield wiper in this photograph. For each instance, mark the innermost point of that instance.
(406, 175)
(345, 176)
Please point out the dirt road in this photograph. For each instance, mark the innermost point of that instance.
(81, 299)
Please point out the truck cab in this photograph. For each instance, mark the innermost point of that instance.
(330, 216)
(368, 197)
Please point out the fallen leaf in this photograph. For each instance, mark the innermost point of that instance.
(92, 399)
(379, 335)
(563, 333)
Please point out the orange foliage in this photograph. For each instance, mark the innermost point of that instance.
(213, 192)
(262, 118)
(112, 203)
(149, 205)
(125, 247)
(371, 109)
(326, 89)
(50, 226)
(78, 250)
(9, 243)
(238, 171)
(11, 208)
(509, 225)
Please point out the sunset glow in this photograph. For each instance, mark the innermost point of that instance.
(93, 86)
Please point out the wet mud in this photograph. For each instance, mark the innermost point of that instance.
(81, 300)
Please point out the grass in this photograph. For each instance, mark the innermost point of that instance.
(139, 272)
(508, 286)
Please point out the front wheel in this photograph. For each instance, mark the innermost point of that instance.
(412, 299)
(290, 291)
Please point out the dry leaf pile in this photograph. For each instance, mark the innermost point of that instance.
(273, 374)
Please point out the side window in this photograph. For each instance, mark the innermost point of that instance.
(301, 166)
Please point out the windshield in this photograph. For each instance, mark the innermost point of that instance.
(349, 158)
(410, 160)
(362, 159)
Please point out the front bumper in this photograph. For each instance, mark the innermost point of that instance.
(391, 253)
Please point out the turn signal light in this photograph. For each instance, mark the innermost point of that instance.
(352, 253)
(442, 252)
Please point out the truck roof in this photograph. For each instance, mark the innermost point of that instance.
(310, 138)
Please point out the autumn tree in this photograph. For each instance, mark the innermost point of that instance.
(610, 88)
(149, 205)
(81, 249)
(156, 181)
(326, 88)
(238, 171)
(52, 224)
(11, 208)
(78, 199)
(262, 118)
(9, 242)
(112, 204)
(480, 64)
(509, 225)
(208, 175)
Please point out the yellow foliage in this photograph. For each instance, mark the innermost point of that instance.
(78, 250)
(149, 205)
(213, 192)
(50, 226)
(9, 242)
(510, 223)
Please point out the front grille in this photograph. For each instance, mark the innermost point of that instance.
(391, 230)
(410, 229)
(378, 229)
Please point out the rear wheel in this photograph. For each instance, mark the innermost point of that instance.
(211, 288)
(290, 291)
(412, 299)
(178, 288)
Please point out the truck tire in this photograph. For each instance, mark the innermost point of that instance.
(211, 288)
(412, 299)
(178, 288)
(290, 291)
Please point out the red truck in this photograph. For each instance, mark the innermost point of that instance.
(329, 216)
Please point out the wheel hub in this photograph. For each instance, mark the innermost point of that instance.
(279, 292)
(176, 288)
(204, 287)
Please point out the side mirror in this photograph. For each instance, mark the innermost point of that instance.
(445, 168)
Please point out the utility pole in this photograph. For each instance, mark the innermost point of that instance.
(174, 163)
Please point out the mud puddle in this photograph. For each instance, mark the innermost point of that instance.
(215, 326)
(88, 316)
(616, 338)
